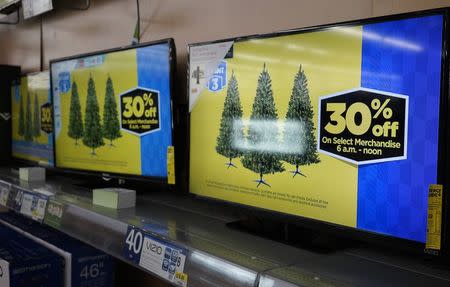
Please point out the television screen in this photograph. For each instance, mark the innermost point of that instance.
(338, 123)
(32, 128)
(113, 110)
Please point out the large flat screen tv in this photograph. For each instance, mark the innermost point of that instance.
(113, 110)
(32, 127)
(341, 124)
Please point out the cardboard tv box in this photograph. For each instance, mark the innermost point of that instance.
(85, 266)
(24, 262)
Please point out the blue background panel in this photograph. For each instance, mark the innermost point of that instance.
(403, 57)
(154, 74)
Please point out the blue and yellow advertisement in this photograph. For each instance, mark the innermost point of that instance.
(32, 128)
(338, 125)
(113, 111)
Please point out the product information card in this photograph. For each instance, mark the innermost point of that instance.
(33, 206)
(4, 193)
(161, 258)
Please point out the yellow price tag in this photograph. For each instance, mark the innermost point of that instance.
(171, 165)
(434, 218)
(181, 278)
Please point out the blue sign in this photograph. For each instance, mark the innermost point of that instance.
(133, 244)
(219, 79)
(64, 82)
(167, 258)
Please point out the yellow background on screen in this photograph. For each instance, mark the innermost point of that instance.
(42, 95)
(331, 60)
(125, 156)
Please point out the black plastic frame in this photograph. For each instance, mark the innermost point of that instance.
(9, 74)
(172, 63)
(443, 152)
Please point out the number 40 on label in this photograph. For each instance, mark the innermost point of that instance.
(134, 241)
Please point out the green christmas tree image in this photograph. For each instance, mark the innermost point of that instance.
(300, 112)
(36, 118)
(111, 125)
(21, 118)
(93, 133)
(28, 133)
(262, 130)
(76, 130)
(230, 129)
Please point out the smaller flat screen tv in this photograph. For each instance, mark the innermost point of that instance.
(113, 110)
(32, 127)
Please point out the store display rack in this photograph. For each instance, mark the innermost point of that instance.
(215, 254)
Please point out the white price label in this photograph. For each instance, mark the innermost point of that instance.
(161, 259)
(33, 206)
(4, 194)
(156, 256)
(4, 273)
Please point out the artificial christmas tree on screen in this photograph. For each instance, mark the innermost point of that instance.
(93, 132)
(260, 157)
(231, 124)
(111, 125)
(300, 115)
(76, 130)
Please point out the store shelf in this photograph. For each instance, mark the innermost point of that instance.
(216, 254)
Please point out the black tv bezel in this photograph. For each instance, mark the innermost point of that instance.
(25, 161)
(443, 139)
(9, 74)
(111, 175)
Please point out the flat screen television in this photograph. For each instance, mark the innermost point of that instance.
(341, 125)
(32, 127)
(113, 111)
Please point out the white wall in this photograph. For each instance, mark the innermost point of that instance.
(110, 23)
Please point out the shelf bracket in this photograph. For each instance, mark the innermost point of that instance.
(14, 22)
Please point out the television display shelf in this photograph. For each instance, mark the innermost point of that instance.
(216, 255)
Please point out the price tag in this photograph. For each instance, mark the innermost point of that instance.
(33, 205)
(15, 198)
(4, 273)
(155, 255)
(434, 222)
(54, 213)
(4, 193)
(181, 278)
(170, 165)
